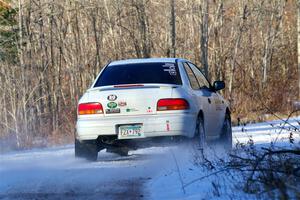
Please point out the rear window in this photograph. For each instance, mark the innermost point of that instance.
(165, 73)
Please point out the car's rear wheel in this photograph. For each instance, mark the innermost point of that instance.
(86, 149)
(226, 134)
(200, 135)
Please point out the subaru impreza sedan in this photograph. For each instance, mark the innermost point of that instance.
(145, 98)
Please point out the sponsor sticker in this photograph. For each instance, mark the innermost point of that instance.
(218, 104)
(112, 105)
(149, 110)
(112, 97)
(167, 125)
(122, 103)
(112, 110)
(131, 110)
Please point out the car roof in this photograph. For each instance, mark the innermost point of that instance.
(145, 60)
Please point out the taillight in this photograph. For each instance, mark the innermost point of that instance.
(90, 108)
(172, 104)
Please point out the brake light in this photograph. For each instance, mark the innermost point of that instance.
(90, 108)
(128, 85)
(172, 104)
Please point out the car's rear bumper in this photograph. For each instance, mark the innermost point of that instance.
(89, 128)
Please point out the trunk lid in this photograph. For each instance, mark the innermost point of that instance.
(126, 100)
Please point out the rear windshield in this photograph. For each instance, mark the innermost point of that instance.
(165, 73)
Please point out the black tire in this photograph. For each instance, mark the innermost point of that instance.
(86, 149)
(122, 151)
(200, 135)
(226, 133)
(78, 149)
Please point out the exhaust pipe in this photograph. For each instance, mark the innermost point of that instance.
(107, 140)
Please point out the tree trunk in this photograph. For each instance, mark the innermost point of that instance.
(298, 47)
(235, 50)
(173, 29)
(204, 37)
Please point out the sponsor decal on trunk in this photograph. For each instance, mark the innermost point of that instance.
(112, 110)
(122, 103)
(112, 105)
(131, 110)
(112, 97)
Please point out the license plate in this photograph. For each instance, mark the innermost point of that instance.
(131, 131)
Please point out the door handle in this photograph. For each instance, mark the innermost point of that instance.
(209, 101)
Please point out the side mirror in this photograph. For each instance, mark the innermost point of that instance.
(218, 85)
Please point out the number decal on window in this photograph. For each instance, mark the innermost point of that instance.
(170, 67)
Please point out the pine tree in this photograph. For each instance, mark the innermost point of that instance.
(8, 33)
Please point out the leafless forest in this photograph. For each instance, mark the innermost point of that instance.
(51, 50)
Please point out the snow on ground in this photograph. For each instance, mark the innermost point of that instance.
(277, 131)
(189, 181)
(156, 172)
(55, 173)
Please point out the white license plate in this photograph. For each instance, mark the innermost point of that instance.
(131, 131)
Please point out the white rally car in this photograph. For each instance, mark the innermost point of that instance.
(142, 98)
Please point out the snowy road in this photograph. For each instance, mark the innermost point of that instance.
(156, 172)
(55, 173)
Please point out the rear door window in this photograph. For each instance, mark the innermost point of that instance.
(139, 73)
(192, 78)
(203, 83)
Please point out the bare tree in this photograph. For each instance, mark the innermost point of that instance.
(243, 17)
(173, 29)
(204, 36)
(298, 44)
